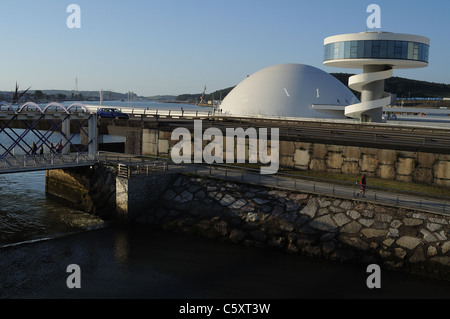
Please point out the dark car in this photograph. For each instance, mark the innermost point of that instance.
(112, 114)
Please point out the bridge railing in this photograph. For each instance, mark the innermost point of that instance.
(17, 162)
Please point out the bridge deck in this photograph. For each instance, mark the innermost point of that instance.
(29, 163)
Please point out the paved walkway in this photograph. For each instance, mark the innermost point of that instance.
(390, 198)
(414, 201)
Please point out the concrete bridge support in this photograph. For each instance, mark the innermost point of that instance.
(100, 191)
(88, 189)
(136, 194)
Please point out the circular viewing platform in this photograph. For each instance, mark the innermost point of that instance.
(355, 50)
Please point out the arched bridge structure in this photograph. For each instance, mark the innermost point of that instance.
(41, 137)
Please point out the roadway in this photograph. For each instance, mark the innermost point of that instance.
(401, 137)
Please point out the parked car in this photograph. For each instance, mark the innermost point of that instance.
(112, 114)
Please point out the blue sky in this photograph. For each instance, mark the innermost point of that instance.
(179, 46)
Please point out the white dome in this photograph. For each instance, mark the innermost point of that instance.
(289, 90)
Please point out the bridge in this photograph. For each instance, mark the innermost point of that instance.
(33, 137)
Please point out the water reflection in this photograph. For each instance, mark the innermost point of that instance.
(121, 247)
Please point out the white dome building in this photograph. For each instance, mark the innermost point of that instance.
(289, 90)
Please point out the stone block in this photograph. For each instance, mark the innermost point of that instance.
(163, 147)
(423, 175)
(335, 148)
(302, 158)
(335, 160)
(324, 223)
(165, 135)
(149, 149)
(386, 171)
(318, 165)
(426, 159)
(288, 161)
(405, 166)
(350, 168)
(387, 157)
(150, 136)
(287, 148)
(319, 151)
(369, 151)
(442, 170)
(133, 142)
(409, 242)
(368, 163)
(351, 153)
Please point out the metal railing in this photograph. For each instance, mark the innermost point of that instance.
(44, 161)
(382, 195)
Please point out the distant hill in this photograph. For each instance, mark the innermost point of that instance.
(42, 96)
(161, 98)
(217, 95)
(403, 87)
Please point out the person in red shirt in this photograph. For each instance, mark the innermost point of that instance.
(363, 183)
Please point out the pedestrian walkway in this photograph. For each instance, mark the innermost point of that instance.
(383, 196)
(389, 197)
(42, 162)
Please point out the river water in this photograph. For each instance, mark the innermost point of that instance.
(40, 238)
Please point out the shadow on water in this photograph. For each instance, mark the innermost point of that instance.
(141, 262)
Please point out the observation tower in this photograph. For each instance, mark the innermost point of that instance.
(377, 53)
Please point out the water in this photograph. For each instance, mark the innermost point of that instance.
(143, 104)
(27, 215)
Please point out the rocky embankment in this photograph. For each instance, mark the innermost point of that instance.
(335, 229)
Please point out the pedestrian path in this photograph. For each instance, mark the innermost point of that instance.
(389, 197)
(414, 201)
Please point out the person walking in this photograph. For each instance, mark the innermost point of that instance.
(363, 184)
(33, 149)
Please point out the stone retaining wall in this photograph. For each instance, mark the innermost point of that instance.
(427, 168)
(340, 230)
(92, 190)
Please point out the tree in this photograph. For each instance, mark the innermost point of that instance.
(38, 95)
(17, 96)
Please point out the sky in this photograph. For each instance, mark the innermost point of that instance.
(172, 47)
